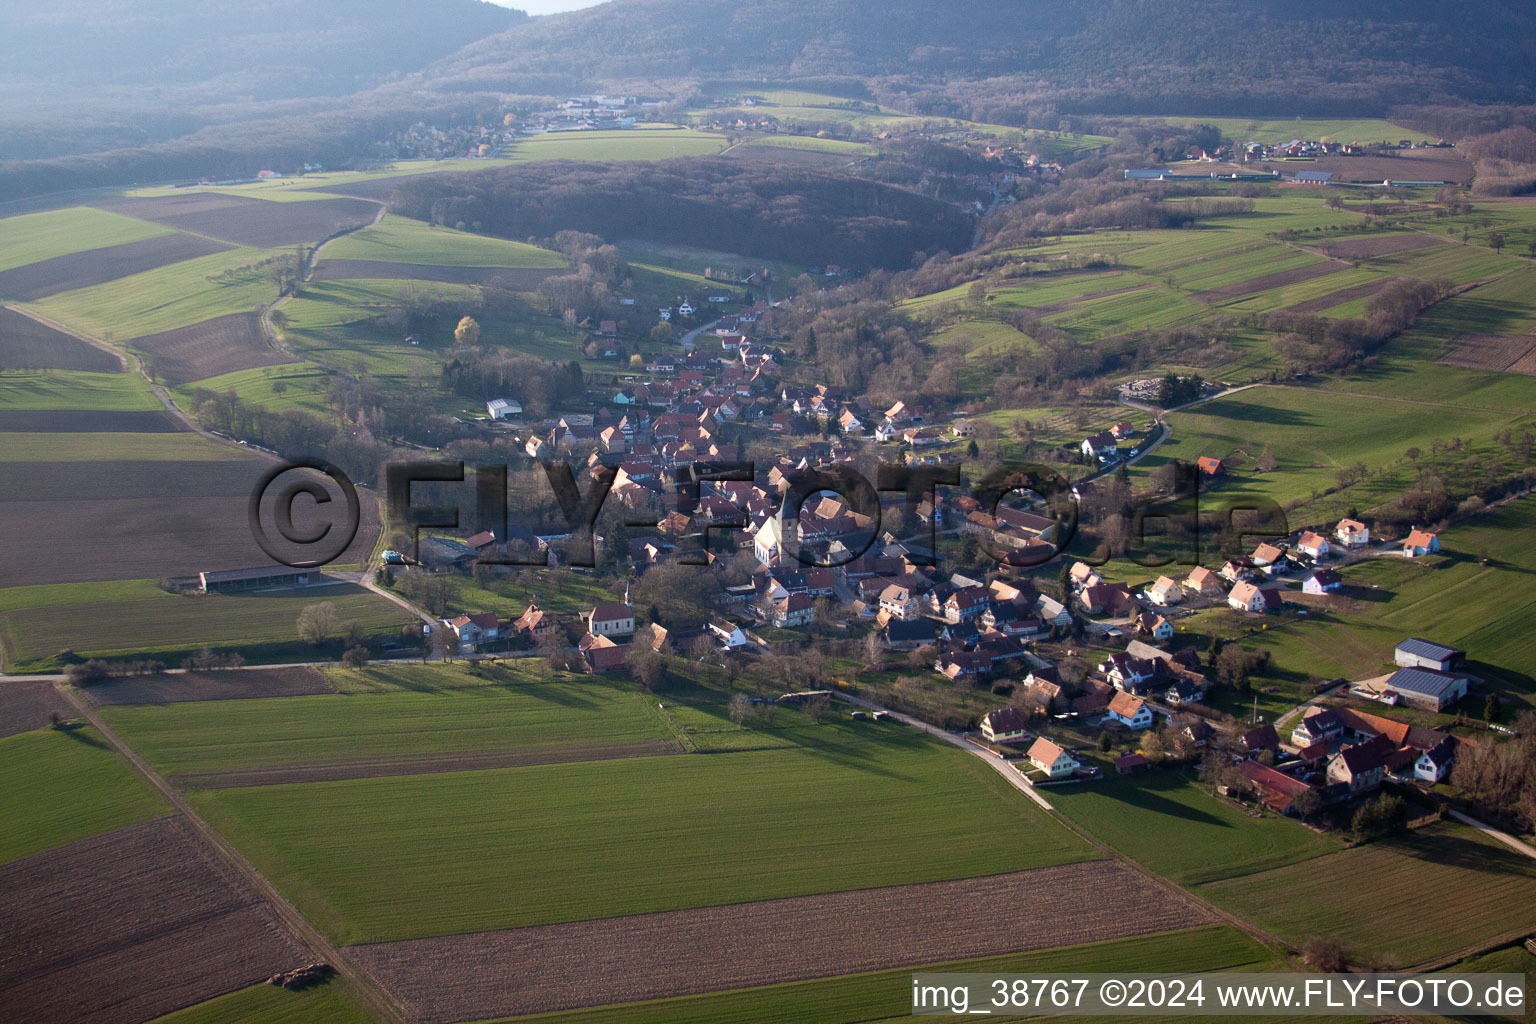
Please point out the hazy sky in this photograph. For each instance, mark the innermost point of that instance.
(547, 6)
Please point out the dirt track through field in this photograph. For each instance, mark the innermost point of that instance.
(241, 220)
(182, 687)
(1254, 285)
(653, 956)
(517, 279)
(419, 764)
(98, 266)
(127, 926)
(26, 344)
(210, 348)
(25, 705)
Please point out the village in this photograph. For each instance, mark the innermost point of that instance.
(804, 561)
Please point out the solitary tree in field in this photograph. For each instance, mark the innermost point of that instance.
(317, 622)
(1496, 239)
(467, 333)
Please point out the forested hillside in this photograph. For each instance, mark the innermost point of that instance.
(767, 212)
(1310, 56)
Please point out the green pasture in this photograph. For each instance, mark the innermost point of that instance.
(1175, 826)
(524, 715)
(395, 858)
(136, 617)
(97, 446)
(165, 298)
(402, 240)
(75, 389)
(59, 786)
(34, 237)
(1281, 130)
(1480, 889)
(628, 144)
(331, 1003)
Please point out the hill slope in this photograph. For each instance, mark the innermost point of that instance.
(1116, 53)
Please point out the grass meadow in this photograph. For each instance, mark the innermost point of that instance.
(34, 237)
(1171, 824)
(165, 298)
(1479, 889)
(331, 1003)
(73, 389)
(136, 617)
(396, 858)
(402, 240)
(523, 716)
(59, 786)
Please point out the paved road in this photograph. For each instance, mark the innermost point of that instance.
(1488, 830)
(322, 948)
(1002, 767)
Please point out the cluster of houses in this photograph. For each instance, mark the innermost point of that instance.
(1334, 753)
(603, 647)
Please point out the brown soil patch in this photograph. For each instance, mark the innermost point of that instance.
(653, 956)
(1378, 245)
(25, 705)
(131, 925)
(221, 345)
(517, 279)
(1491, 351)
(241, 684)
(98, 266)
(1343, 295)
(1407, 165)
(1526, 364)
(242, 220)
(72, 522)
(1254, 285)
(26, 344)
(420, 764)
(87, 421)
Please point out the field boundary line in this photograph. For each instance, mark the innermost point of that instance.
(373, 995)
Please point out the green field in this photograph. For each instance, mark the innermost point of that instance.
(635, 144)
(59, 786)
(136, 617)
(1480, 889)
(524, 715)
(1313, 435)
(402, 240)
(395, 858)
(1280, 130)
(886, 996)
(837, 147)
(34, 237)
(94, 446)
(74, 389)
(331, 1003)
(1180, 830)
(164, 298)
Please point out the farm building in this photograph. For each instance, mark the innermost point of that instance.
(1008, 725)
(1361, 766)
(1416, 653)
(1318, 727)
(1210, 466)
(1055, 761)
(1434, 764)
(1427, 687)
(1421, 542)
(1131, 763)
(1277, 790)
(227, 581)
(503, 408)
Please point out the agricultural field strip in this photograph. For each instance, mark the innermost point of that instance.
(683, 952)
(27, 704)
(109, 928)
